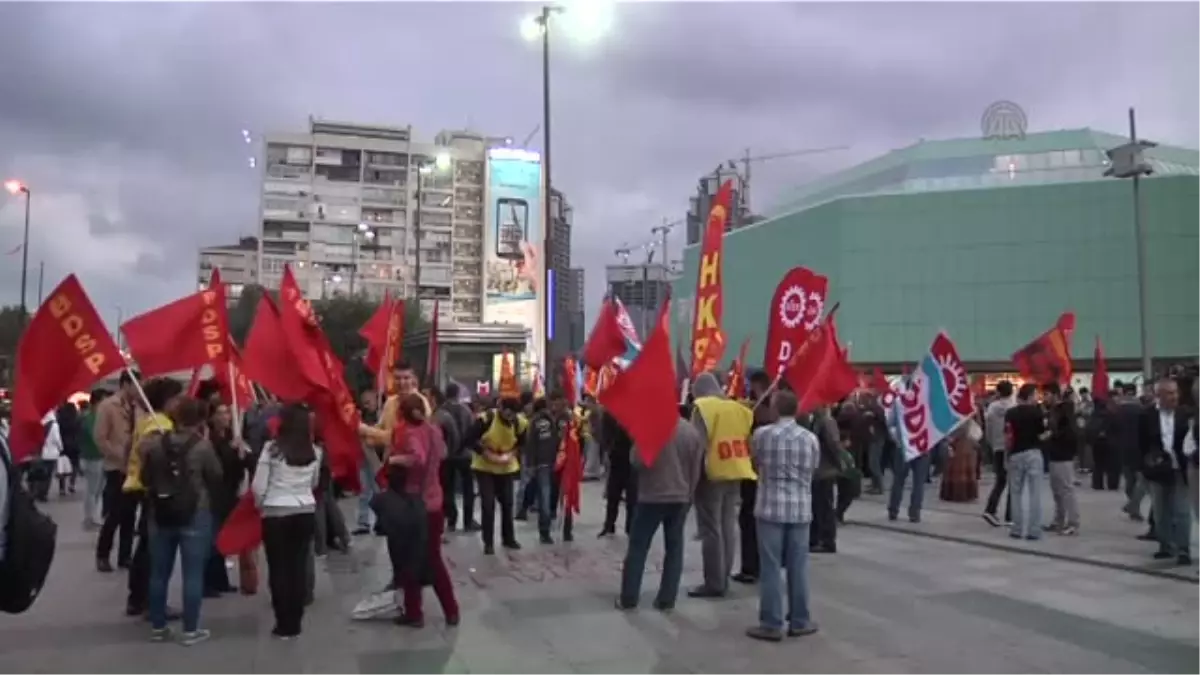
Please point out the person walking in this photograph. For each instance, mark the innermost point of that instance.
(786, 455)
(621, 482)
(1165, 430)
(1025, 425)
(666, 490)
(457, 472)
(725, 426)
(547, 426)
(284, 479)
(993, 421)
(91, 463)
(113, 434)
(823, 425)
(180, 471)
(501, 434)
(1061, 451)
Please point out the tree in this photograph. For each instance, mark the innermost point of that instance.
(10, 335)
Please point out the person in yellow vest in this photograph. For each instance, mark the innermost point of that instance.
(501, 433)
(163, 394)
(725, 425)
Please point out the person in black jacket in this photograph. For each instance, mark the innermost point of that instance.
(456, 421)
(1164, 433)
(616, 444)
(1061, 449)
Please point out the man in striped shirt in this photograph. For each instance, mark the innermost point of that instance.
(785, 456)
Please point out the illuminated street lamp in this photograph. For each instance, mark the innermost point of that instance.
(584, 21)
(16, 187)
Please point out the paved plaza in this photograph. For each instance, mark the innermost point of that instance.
(890, 600)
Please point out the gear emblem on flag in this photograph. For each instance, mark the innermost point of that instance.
(813, 310)
(792, 307)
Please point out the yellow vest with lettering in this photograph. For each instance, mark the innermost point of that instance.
(728, 424)
(500, 437)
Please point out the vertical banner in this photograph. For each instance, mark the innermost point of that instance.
(708, 340)
(513, 240)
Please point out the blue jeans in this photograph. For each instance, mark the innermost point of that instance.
(1172, 515)
(783, 547)
(367, 490)
(1025, 473)
(543, 480)
(919, 468)
(193, 543)
(647, 517)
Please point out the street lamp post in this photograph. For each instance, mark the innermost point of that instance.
(1126, 161)
(588, 20)
(15, 187)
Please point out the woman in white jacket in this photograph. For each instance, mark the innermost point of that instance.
(284, 479)
(40, 472)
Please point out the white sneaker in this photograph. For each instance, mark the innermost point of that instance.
(194, 637)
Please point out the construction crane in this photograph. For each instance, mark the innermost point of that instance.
(747, 159)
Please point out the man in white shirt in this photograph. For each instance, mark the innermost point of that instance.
(41, 469)
(1164, 429)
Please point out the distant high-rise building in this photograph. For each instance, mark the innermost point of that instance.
(238, 265)
(342, 204)
(565, 301)
(571, 331)
(700, 204)
(641, 289)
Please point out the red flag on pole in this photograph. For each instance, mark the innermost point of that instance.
(1099, 373)
(66, 348)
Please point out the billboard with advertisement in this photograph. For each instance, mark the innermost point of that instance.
(513, 239)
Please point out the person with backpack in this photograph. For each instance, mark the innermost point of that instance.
(179, 471)
(27, 540)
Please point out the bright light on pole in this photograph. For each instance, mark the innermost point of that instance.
(14, 186)
(586, 21)
(441, 162)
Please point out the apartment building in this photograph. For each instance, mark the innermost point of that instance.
(238, 264)
(642, 288)
(344, 204)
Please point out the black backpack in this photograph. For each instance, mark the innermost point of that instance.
(172, 493)
(29, 546)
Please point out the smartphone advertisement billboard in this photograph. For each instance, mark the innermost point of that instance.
(512, 256)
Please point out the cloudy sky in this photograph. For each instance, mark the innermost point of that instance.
(126, 119)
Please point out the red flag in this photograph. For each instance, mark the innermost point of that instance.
(819, 372)
(267, 360)
(187, 333)
(508, 379)
(567, 377)
(66, 348)
(431, 357)
(606, 341)
(591, 381)
(214, 279)
(708, 335)
(796, 309)
(737, 373)
(242, 530)
(375, 332)
(1048, 358)
(1099, 373)
(329, 397)
(642, 398)
(571, 496)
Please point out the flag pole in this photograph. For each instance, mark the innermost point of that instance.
(233, 403)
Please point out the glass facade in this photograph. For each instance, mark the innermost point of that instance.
(932, 247)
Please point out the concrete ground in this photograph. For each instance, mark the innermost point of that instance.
(888, 601)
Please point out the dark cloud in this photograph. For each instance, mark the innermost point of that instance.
(126, 117)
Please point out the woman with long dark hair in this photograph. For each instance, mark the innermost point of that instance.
(284, 479)
(232, 455)
(413, 468)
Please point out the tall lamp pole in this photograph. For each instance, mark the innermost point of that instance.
(1127, 161)
(587, 22)
(16, 187)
